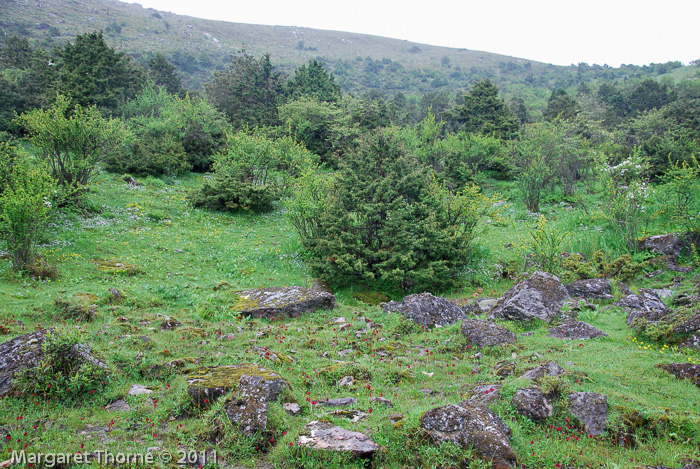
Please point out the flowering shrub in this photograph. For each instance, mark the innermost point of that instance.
(626, 195)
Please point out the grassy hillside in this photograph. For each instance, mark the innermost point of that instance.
(361, 62)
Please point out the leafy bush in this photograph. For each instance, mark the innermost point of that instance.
(25, 207)
(252, 172)
(73, 141)
(63, 371)
(154, 154)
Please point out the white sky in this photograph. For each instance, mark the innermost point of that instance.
(561, 32)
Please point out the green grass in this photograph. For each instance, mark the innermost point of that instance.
(397, 361)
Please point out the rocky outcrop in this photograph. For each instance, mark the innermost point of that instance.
(481, 394)
(646, 305)
(539, 297)
(247, 408)
(471, 425)
(426, 309)
(486, 333)
(594, 288)
(575, 330)
(26, 351)
(325, 436)
(689, 371)
(282, 301)
(667, 244)
(533, 404)
(591, 409)
(207, 384)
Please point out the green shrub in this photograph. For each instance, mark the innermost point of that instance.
(252, 172)
(154, 154)
(387, 220)
(63, 372)
(25, 207)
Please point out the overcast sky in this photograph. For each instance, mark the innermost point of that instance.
(561, 32)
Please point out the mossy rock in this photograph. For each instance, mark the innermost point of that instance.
(286, 301)
(193, 332)
(207, 384)
(333, 373)
(372, 298)
(114, 266)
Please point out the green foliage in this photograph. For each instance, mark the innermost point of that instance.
(560, 106)
(313, 81)
(387, 220)
(93, 73)
(73, 141)
(680, 194)
(25, 207)
(163, 73)
(252, 172)
(323, 127)
(309, 202)
(62, 373)
(467, 155)
(163, 122)
(483, 111)
(248, 91)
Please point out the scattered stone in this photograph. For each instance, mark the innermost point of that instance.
(353, 415)
(595, 288)
(346, 381)
(548, 369)
(539, 297)
(169, 323)
(679, 268)
(292, 408)
(591, 408)
(483, 393)
(247, 408)
(692, 342)
(688, 371)
(174, 366)
(663, 292)
(480, 305)
(207, 384)
(229, 337)
(471, 425)
(688, 325)
(115, 296)
(426, 309)
(486, 333)
(647, 305)
(118, 406)
(339, 402)
(532, 403)
(382, 400)
(568, 363)
(667, 244)
(575, 330)
(328, 437)
(655, 273)
(282, 301)
(139, 389)
(527, 334)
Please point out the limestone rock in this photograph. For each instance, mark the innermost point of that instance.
(118, 406)
(282, 301)
(646, 305)
(339, 402)
(533, 404)
(667, 244)
(247, 408)
(575, 330)
(292, 408)
(328, 437)
(471, 425)
(539, 297)
(139, 389)
(382, 400)
(591, 408)
(548, 369)
(207, 384)
(485, 333)
(688, 371)
(595, 288)
(426, 309)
